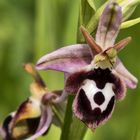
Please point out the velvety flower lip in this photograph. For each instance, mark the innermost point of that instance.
(34, 116)
(94, 66)
(92, 118)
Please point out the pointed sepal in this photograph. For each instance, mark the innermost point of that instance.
(67, 59)
(109, 25)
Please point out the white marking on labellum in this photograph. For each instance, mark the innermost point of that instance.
(91, 90)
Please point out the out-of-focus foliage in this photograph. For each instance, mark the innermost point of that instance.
(31, 28)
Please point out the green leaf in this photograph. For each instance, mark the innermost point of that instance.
(130, 23)
(86, 11)
(93, 22)
(92, 4)
(128, 7)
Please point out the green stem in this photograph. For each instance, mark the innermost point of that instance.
(78, 130)
(67, 120)
(57, 115)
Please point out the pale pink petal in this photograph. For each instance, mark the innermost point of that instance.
(67, 59)
(44, 124)
(130, 80)
(109, 24)
(61, 98)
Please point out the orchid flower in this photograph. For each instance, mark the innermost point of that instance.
(34, 116)
(94, 72)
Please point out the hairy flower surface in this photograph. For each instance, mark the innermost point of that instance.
(34, 116)
(95, 74)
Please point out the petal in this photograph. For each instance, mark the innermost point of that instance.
(130, 80)
(75, 80)
(49, 97)
(96, 96)
(120, 86)
(45, 122)
(27, 110)
(25, 128)
(92, 118)
(5, 129)
(67, 59)
(25, 121)
(109, 25)
(61, 98)
(95, 48)
(56, 97)
(100, 76)
(120, 45)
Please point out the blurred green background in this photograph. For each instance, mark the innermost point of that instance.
(32, 28)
